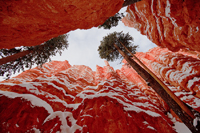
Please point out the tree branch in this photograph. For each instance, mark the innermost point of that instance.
(14, 57)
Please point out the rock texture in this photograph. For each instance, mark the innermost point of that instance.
(65, 98)
(30, 23)
(179, 70)
(171, 24)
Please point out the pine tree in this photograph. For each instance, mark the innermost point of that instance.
(17, 59)
(110, 53)
(114, 20)
(115, 46)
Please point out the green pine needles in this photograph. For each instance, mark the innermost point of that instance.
(112, 21)
(38, 55)
(109, 52)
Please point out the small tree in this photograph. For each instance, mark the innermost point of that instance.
(17, 59)
(110, 49)
(114, 20)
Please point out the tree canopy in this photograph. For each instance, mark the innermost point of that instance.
(112, 21)
(109, 52)
(38, 55)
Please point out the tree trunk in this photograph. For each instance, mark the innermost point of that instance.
(129, 2)
(176, 99)
(14, 57)
(186, 119)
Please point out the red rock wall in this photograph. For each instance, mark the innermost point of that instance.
(179, 70)
(171, 24)
(61, 97)
(30, 23)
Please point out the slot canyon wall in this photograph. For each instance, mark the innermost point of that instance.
(32, 22)
(65, 98)
(61, 97)
(172, 24)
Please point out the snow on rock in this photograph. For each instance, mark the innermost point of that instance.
(77, 99)
(62, 98)
(171, 24)
(179, 70)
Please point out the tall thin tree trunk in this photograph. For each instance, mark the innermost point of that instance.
(185, 118)
(176, 99)
(14, 57)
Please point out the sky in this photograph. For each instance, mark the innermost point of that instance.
(83, 45)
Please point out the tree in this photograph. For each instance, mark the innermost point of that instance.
(113, 21)
(110, 53)
(129, 2)
(16, 59)
(116, 42)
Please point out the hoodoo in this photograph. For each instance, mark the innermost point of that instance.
(61, 97)
(171, 24)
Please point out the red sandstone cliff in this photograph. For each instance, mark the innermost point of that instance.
(173, 24)
(179, 70)
(61, 97)
(30, 23)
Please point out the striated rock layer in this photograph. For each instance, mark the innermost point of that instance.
(180, 71)
(171, 24)
(30, 23)
(65, 98)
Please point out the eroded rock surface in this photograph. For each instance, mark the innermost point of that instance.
(61, 97)
(171, 24)
(32, 22)
(180, 71)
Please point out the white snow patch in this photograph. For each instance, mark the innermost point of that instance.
(134, 108)
(86, 115)
(74, 106)
(29, 87)
(192, 81)
(36, 130)
(178, 126)
(181, 128)
(9, 84)
(35, 101)
(145, 122)
(64, 126)
(150, 127)
(195, 103)
(197, 29)
(195, 121)
(168, 12)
